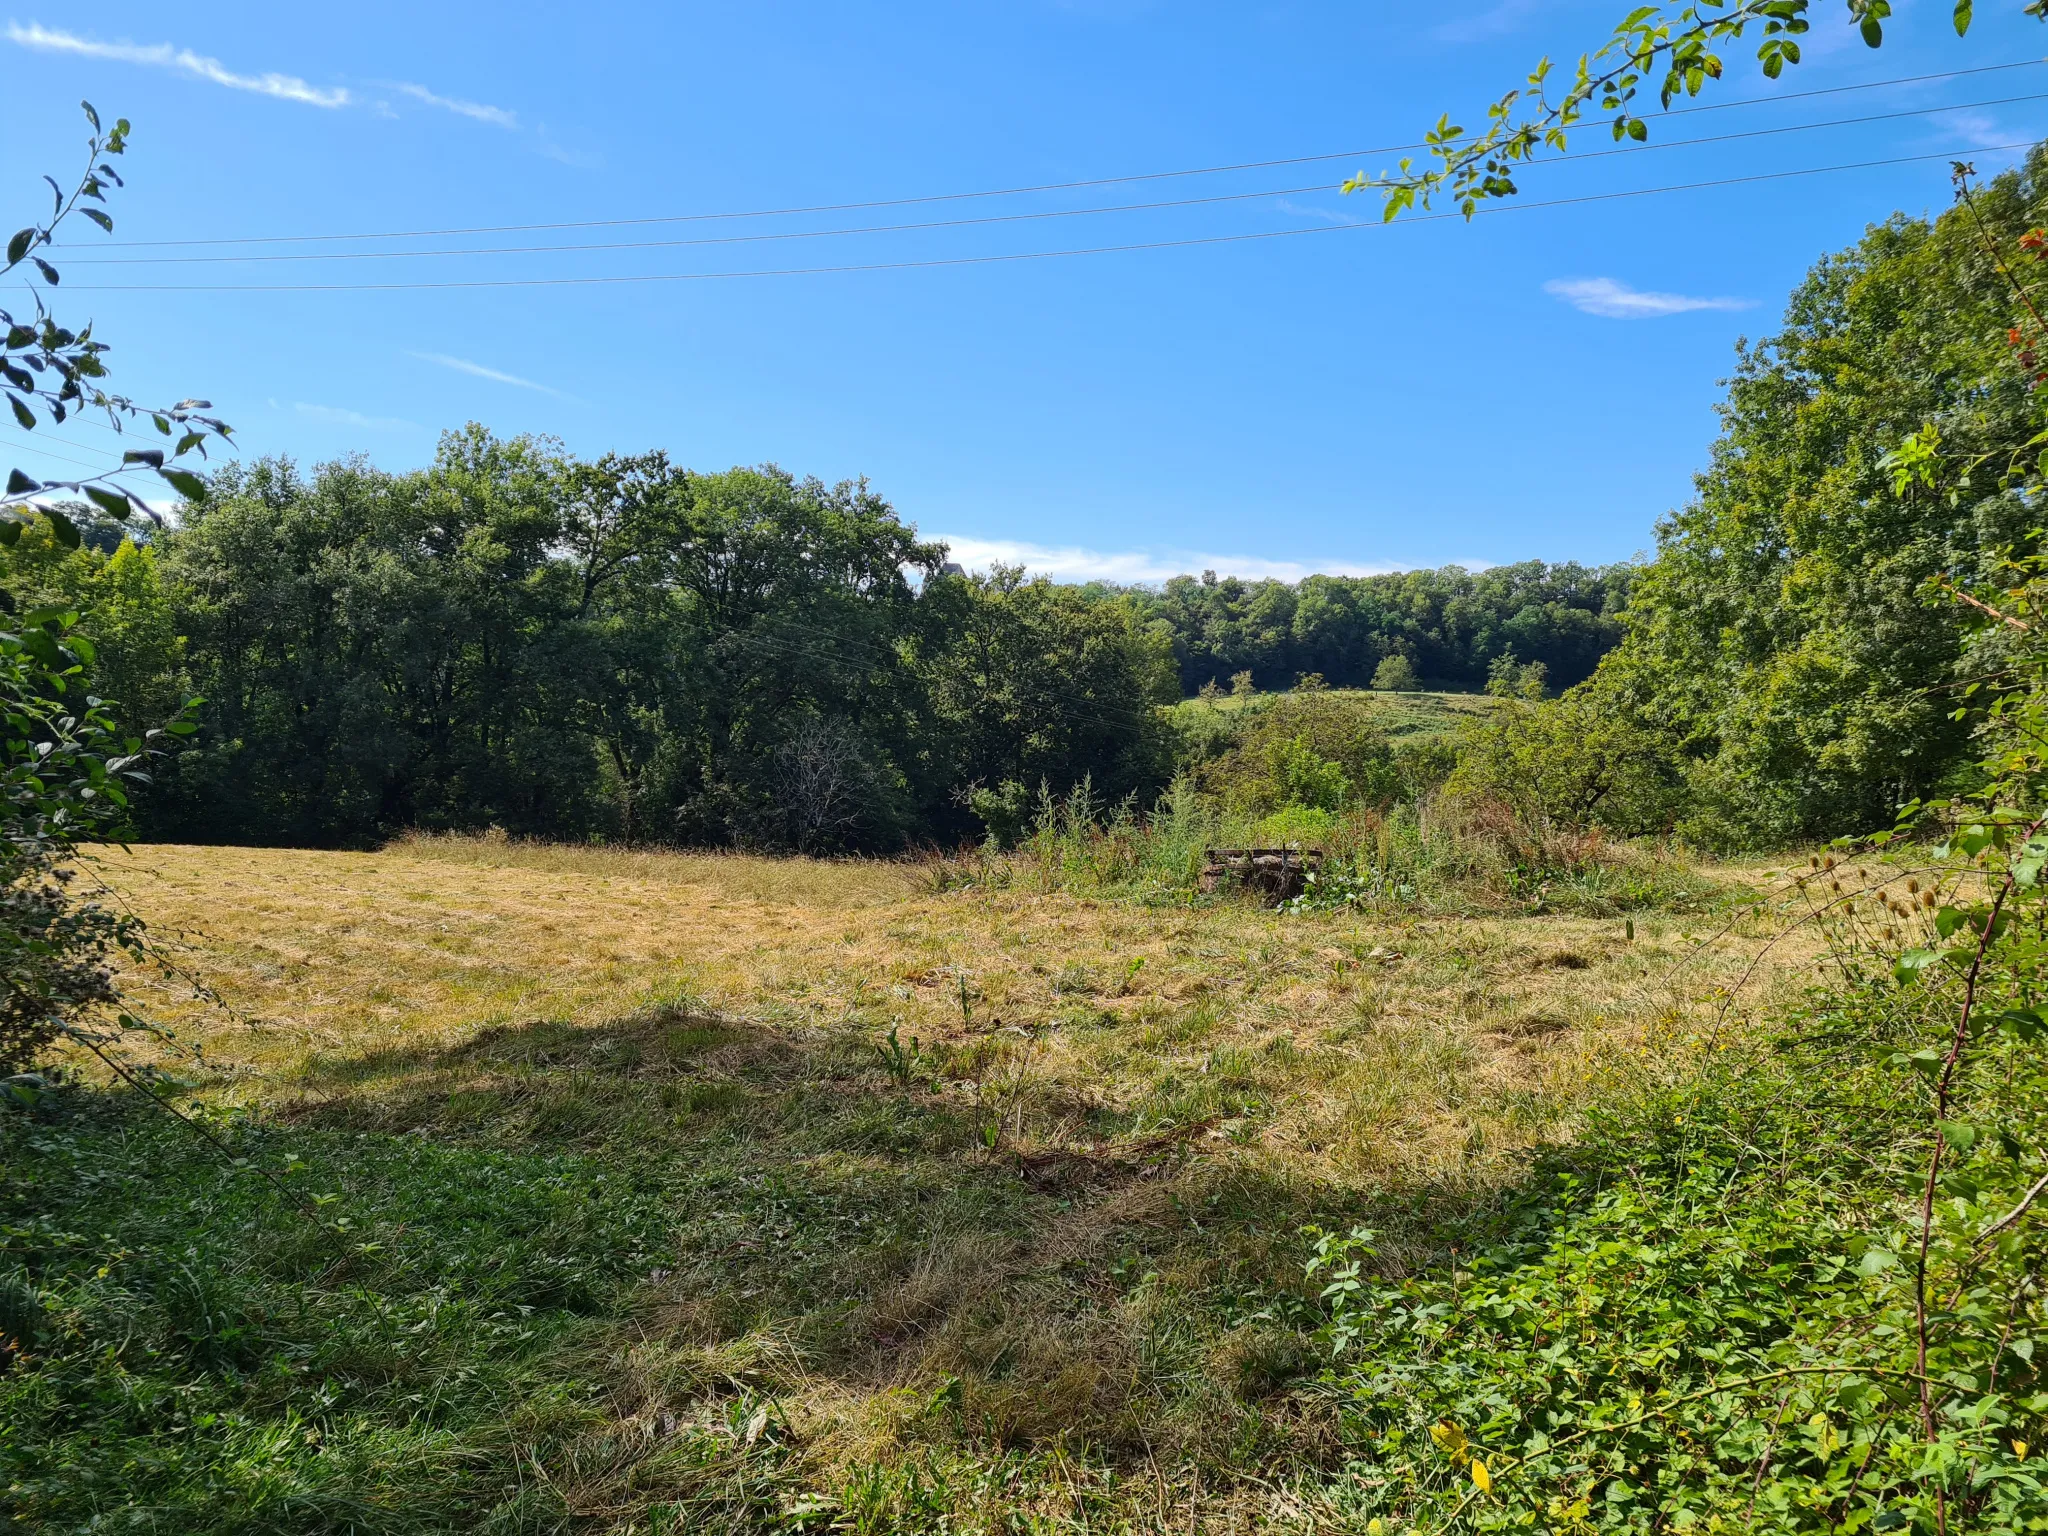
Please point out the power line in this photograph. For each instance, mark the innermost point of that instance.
(1001, 218)
(34, 446)
(1058, 186)
(1016, 256)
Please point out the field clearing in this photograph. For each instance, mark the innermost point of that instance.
(1403, 716)
(1036, 1266)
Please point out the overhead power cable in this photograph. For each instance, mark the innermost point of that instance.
(996, 218)
(1019, 191)
(1018, 256)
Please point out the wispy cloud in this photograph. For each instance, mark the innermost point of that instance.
(1330, 215)
(1492, 22)
(1979, 132)
(1132, 566)
(478, 370)
(339, 416)
(548, 149)
(498, 117)
(1618, 301)
(199, 66)
(183, 60)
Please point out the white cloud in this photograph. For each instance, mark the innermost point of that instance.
(498, 117)
(183, 60)
(1618, 301)
(335, 415)
(478, 370)
(1129, 567)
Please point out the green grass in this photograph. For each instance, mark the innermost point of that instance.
(625, 1221)
(1402, 715)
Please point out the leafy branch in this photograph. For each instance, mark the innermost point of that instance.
(50, 371)
(1669, 50)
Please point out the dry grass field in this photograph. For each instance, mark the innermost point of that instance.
(934, 1209)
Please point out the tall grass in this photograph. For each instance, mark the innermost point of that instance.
(1439, 854)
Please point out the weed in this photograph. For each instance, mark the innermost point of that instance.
(899, 1061)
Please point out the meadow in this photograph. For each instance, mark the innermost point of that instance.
(577, 1189)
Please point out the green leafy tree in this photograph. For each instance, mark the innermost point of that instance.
(1451, 623)
(65, 778)
(1781, 638)
(1395, 675)
(1032, 684)
(1577, 762)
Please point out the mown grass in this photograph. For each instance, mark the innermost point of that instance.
(1400, 714)
(629, 1220)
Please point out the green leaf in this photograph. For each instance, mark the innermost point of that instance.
(10, 533)
(1873, 32)
(99, 218)
(49, 272)
(22, 413)
(113, 503)
(19, 484)
(1911, 964)
(62, 526)
(1963, 8)
(2025, 1025)
(187, 484)
(18, 246)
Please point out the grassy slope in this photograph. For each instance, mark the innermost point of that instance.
(1402, 715)
(645, 1235)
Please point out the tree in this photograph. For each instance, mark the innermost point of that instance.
(1034, 684)
(1450, 623)
(1396, 675)
(1782, 638)
(1669, 47)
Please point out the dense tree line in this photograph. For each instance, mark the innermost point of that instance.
(622, 649)
(629, 649)
(1451, 625)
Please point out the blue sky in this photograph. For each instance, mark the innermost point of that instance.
(1538, 383)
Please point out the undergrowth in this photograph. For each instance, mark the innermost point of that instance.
(1438, 855)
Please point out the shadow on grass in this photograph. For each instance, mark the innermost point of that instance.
(671, 1261)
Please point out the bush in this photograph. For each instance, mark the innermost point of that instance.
(1396, 675)
(1574, 763)
(63, 773)
(1318, 748)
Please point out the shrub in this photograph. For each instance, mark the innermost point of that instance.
(62, 775)
(1396, 675)
(1574, 763)
(1318, 748)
